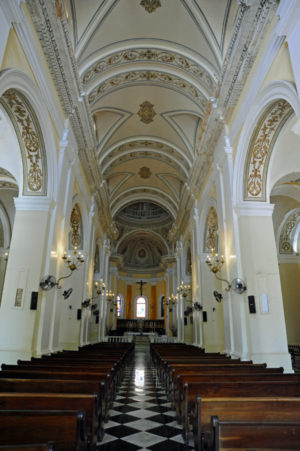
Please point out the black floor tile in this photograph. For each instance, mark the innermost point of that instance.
(123, 418)
(121, 431)
(117, 445)
(169, 445)
(165, 431)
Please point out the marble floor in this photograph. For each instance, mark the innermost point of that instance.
(141, 417)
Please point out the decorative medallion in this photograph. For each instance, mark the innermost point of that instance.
(288, 233)
(211, 236)
(142, 253)
(145, 172)
(76, 227)
(146, 112)
(30, 140)
(150, 5)
(261, 146)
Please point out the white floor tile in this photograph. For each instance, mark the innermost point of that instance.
(143, 437)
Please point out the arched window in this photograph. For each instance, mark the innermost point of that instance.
(119, 306)
(141, 308)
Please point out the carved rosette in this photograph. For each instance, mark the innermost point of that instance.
(145, 172)
(288, 233)
(30, 140)
(146, 112)
(75, 221)
(150, 5)
(260, 149)
(211, 235)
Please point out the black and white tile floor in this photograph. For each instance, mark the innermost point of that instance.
(141, 417)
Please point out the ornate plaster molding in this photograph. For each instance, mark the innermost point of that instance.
(288, 231)
(147, 76)
(150, 5)
(30, 140)
(260, 149)
(153, 55)
(211, 232)
(76, 227)
(146, 112)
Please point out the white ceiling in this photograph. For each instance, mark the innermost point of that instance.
(170, 58)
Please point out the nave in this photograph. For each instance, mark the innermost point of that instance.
(141, 417)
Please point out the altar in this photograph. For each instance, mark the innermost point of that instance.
(138, 326)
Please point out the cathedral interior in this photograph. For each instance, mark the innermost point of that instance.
(149, 176)
(149, 189)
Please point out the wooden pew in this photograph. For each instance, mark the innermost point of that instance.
(108, 390)
(50, 446)
(240, 409)
(66, 428)
(54, 401)
(261, 435)
(187, 407)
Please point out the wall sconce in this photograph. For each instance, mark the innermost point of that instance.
(110, 297)
(215, 263)
(72, 262)
(99, 287)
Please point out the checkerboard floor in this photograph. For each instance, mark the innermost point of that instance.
(141, 417)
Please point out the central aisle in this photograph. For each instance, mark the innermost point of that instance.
(141, 417)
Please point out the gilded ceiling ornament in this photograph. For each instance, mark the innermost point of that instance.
(150, 5)
(75, 221)
(211, 236)
(159, 78)
(146, 112)
(151, 54)
(261, 146)
(288, 232)
(145, 172)
(30, 140)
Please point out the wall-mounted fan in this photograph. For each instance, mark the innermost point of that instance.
(47, 283)
(238, 285)
(67, 293)
(218, 296)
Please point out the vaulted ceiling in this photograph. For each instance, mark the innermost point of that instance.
(148, 72)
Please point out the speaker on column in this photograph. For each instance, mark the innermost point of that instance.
(34, 300)
(251, 301)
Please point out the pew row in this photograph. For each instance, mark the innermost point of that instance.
(65, 427)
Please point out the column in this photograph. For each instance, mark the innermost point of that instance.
(267, 340)
(18, 323)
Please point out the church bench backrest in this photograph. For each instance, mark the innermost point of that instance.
(186, 407)
(260, 435)
(50, 446)
(241, 409)
(66, 428)
(54, 401)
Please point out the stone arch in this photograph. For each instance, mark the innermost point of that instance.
(23, 103)
(270, 111)
(260, 148)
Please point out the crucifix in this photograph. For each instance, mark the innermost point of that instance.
(141, 283)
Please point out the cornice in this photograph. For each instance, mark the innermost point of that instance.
(57, 47)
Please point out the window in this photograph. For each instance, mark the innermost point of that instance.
(118, 305)
(141, 307)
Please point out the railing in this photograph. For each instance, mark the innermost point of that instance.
(118, 339)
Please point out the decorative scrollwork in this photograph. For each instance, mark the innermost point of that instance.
(154, 55)
(149, 77)
(288, 233)
(150, 5)
(76, 227)
(30, 140)
(261, 146)
(211, 235)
